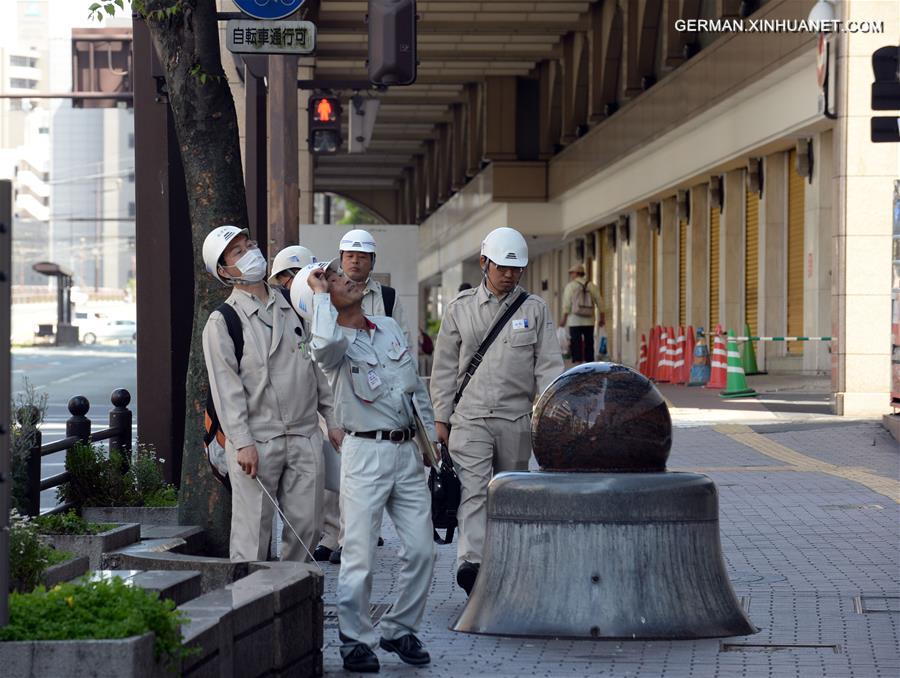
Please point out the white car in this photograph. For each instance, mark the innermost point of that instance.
(105, 330)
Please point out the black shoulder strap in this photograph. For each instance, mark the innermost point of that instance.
(488, 340)
(235, 331)
(389, 295)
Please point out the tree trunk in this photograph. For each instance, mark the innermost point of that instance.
(187, 44)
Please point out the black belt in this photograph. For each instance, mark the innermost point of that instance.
(398, 435)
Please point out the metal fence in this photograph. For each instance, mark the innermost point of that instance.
(78, 430)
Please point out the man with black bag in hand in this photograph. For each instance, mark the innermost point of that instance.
(495, 352)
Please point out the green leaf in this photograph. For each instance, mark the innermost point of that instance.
(120, 3)
(110, 8)
(94, 7)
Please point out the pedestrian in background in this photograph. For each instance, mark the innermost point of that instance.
(581, 303)
(377, 393)
(483, 402)
(267, 403)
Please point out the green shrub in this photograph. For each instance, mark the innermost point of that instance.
(28, 555)
(69, 523)
(98, 478)
(97, 610)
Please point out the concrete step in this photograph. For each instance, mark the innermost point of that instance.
(191, 534)
(177, 586)
(215, 572)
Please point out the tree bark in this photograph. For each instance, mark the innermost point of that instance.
(187, 44)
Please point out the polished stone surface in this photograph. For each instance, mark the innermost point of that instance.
(601, 417)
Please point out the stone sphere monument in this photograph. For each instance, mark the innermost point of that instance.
(603, 542)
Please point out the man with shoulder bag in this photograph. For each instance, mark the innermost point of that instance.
(580, 299)
(496, 350)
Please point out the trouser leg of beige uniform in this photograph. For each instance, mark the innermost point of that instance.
(480, 448)
(376, 475)
(251, 510)
(332, 534)
(300, 495)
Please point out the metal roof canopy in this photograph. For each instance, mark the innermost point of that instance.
(459, 43)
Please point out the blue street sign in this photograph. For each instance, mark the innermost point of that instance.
(268, 9)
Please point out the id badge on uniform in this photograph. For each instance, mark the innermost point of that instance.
(373, 379)
(520, 324)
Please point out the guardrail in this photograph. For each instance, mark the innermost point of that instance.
(78, 430)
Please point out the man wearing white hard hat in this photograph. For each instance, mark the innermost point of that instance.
(267, 402)
(357, 252)
(377, 394)
(287, 263)
(483, 394)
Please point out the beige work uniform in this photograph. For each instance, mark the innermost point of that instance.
(374, 379)
(372, 305)
(491, 426)
(270, 401)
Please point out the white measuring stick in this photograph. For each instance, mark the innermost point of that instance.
(288, 523)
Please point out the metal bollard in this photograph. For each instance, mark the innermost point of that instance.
(120, 420)
(29, 416)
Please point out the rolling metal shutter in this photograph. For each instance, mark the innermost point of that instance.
(682, 272)
(795, 255)
(713, 268)
(751, 262)
(654, 274)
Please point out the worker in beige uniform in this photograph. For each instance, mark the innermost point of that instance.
(488, 428)
(267, 403)
(357, 252)
(287, 263)
(377, 390)
(581, 302)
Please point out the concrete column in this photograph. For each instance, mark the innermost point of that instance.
(864, 178)
(731, 253)
(698, 258)
(500, 117)
(817, 241)
(668, 298)
(773, 256)
(453, 276)
(635, 291)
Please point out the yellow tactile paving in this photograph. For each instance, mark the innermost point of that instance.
(746, 436)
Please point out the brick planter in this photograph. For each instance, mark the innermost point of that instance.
(122, 658)
(148, 515)
(95, 545)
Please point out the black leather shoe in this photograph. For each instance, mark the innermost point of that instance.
(380, 541)
(362, 660)
(335, 557)
(322, 553)
(466, 575)
(408, 648)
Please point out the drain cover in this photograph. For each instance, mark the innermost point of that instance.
(867, 604)
(776, 647)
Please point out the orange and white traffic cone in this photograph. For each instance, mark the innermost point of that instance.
(678, 358)
(663, 373)
(642, 359)
(718, 377)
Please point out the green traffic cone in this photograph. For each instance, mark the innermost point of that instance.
(736, 384)
(748, 355)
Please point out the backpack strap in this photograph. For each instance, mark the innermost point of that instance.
(235, 330)
(389, 296)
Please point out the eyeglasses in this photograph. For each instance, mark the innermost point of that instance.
(239, 250)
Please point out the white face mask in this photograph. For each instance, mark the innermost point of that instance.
(252, 266)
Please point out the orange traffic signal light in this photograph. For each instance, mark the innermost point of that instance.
(324, 111)
(324, 123)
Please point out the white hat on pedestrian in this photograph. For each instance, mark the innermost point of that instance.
(293, 256)
(301, 292)
(215, 244)
(357, 240)
(505, 247)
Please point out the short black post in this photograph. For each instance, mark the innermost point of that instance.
(120, 420)
(28, 418)
(78, 424)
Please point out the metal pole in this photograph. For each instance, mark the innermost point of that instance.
(6, 217)
(120, 418)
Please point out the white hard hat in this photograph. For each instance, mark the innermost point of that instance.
(215, 244)
(293, 256)
(357, 240)
(301, 292)
(505, 247)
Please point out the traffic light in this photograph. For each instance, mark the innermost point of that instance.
(886, 93)
(324, 123)
(392, 42)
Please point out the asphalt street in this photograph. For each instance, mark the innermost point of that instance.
(92, 371)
